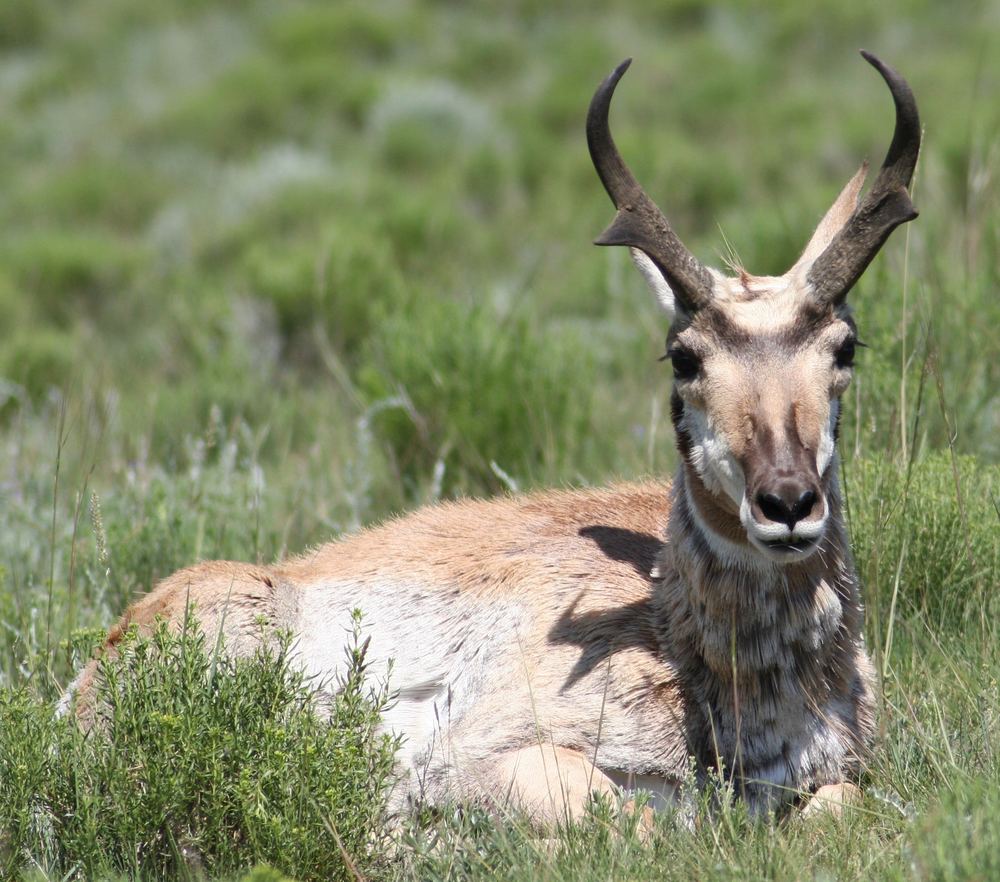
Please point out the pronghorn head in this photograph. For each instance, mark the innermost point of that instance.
(760, 362)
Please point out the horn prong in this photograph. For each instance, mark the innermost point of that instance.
(639, 223)
(887, 205)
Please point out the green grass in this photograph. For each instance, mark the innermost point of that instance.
(270, 272)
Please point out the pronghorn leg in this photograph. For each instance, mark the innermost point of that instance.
(554, 783)
(832, 799)
(551, 783)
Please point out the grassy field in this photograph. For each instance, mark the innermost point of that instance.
(274, 270)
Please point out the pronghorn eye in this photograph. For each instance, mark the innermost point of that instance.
(685, 363)
(845, 355)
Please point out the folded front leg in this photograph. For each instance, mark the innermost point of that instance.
(549, 783)
(831, 799)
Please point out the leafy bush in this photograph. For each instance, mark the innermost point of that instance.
(933, 529)
(22, 23)
(958, 840)
(69, 273)
(198, 763)
(38, 360)
(468, 389)
(344, 283)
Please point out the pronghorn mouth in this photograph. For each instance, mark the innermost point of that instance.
(787, 549)
(780, 543)
(791, 546)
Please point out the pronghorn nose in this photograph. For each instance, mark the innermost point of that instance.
(787, 502)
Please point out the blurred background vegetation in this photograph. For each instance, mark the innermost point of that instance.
(318, 262)
(293, 213)
(270, 271)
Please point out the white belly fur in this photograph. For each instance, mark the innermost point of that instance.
(434, 651)
(663, 792)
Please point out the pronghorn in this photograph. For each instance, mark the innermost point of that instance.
(551, 645)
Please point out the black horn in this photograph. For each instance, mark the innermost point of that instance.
(886, 206)
(639, 223)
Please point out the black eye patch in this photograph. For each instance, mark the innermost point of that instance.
(684, 362)
(844, 357)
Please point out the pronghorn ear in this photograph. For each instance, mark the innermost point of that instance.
(833, 221)
(656, 281)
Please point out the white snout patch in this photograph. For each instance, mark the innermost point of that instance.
(711, 457)
(722, 474)
(827, 444)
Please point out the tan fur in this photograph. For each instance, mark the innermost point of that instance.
(549, 645)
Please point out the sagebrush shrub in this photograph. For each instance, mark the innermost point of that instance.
(198, 762)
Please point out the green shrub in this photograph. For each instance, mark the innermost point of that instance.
(262, 99)
(344, 283)
(26, 730)
(23, 23)
(69, 273)
(468, 388)
(959, 839)
(199, 763)
(37, 360)
(92, 194)
(937, 525)
(361, 30)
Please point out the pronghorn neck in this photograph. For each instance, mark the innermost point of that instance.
(708, 529)
(755, 641)
(725, 580)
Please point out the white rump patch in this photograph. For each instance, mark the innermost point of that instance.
(434, 658)
(67, 698)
